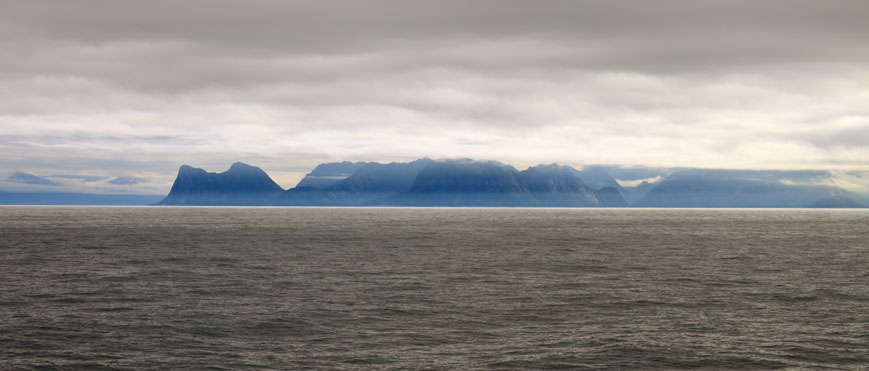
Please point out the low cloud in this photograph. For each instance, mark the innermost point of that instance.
(636, 182)
(26, 178)
(126, 180)
(83, 178)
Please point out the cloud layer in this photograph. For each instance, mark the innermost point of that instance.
(135, 89)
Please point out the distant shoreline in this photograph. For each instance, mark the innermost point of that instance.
(628, 208)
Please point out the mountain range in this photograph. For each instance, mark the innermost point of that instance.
(463, 182)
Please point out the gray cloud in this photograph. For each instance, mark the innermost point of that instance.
(196, 44)
(134, 89)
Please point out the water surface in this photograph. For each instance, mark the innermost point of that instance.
(397, 288)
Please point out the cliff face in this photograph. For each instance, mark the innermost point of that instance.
(552, 179)
(610, 197)
(489, 183)
(466, 176)
(557, 186)
(461, 183)
(242, 184)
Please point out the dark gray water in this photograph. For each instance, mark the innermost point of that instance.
(287, 288)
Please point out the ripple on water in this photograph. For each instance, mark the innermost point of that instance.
(279, 288)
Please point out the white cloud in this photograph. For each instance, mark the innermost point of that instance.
(636, 182)
(137, 92)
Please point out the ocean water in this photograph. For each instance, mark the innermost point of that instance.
(156, 288)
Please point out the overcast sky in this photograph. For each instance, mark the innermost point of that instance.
(137, 88)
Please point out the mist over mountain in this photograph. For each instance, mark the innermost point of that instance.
(466, 176)
(610, 197)
(561, 186)
(325, 175)
(836, 202)
(491, 183)
(464, 182)
(376, 177)
(597, 177)
(634, 194)
(744, 188)
(369, 182)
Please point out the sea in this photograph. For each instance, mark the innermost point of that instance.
(234, 288)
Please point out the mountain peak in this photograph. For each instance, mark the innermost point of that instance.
(187, 172)
(242, 166)
(242, 184)
(550, 167)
